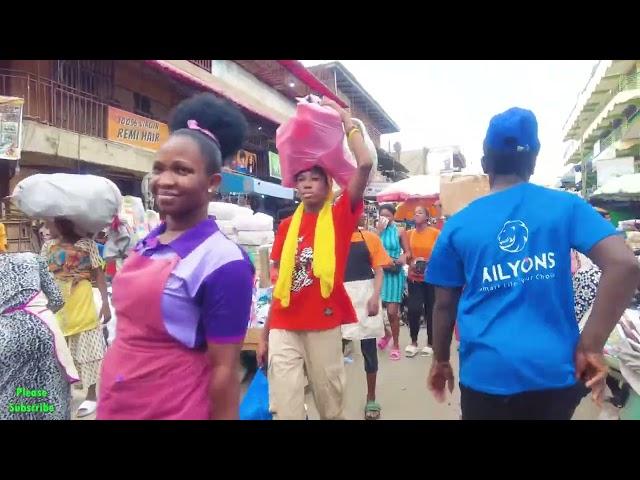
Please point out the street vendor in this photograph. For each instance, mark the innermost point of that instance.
(303, 331)
(183, 296)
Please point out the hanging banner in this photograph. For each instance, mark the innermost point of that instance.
(131, 129)
(10, 127)
(274, 166)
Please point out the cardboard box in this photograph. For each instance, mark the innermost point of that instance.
(252, 339)
(459, 190)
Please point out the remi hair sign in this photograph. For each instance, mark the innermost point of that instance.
(131, 129)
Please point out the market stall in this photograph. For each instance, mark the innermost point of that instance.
(262, 196)
(620, 196)
(254, 233)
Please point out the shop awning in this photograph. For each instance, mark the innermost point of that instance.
(244, 184)
(234, 94)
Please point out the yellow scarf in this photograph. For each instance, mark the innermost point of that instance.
(324, 253)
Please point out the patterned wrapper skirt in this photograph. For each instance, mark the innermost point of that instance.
(87, 345)
(87, 349)
(393, 287)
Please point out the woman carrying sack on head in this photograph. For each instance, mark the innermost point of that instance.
(303, 332)
(74, 262)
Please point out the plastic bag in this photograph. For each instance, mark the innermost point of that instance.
(371, 147)
(227, 211)
(226, 227)
(89, 201)
(313, 137)
(366, 327)
(255, 404)
(120, 241)
(260, 222)
(255, 238)
(111, 325)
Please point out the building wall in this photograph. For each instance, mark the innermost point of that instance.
(233, 74)
(49, 141)
(133, 77)
(52, 142)
(415, 161)
(231, 80)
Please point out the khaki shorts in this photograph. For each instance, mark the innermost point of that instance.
(319, 354)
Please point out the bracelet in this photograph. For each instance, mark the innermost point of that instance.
(352, 131)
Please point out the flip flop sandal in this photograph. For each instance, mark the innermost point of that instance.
(383, 342)
(411, 351)
(372, 411)
(426, 351)
(395, 354)
(86, 408)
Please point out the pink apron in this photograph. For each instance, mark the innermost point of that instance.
(146, 373)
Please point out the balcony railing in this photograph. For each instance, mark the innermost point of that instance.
(55, 104)
(204, 64)
(610, 139)
(616, 134)
(629, 82)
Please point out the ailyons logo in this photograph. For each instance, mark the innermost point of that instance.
(513, 236)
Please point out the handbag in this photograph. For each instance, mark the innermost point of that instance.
(395, 268)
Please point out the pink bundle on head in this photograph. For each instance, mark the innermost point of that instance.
(314, 137)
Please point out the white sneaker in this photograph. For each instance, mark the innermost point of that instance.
(411, 351)
(426, 351)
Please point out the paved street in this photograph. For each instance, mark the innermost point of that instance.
(402, 391)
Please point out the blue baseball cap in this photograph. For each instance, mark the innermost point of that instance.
(515, 130)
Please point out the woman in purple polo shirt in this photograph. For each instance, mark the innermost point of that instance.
(183, 297)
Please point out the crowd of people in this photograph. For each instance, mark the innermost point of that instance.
(500, 271)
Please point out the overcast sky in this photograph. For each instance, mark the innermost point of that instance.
(450, 102)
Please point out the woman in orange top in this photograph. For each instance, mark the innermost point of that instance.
(422, 239)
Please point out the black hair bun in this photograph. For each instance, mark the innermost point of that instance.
(219, 116)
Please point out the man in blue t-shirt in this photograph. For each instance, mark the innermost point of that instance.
(503, 266)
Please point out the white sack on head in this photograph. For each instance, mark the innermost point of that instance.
(89, 201)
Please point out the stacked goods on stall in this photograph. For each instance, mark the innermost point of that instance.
(254, 231)
(224, 214)
(255, 235)
(20, 235)
(630, 229)
(459, 190)
(620, 197)
(20, 232)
